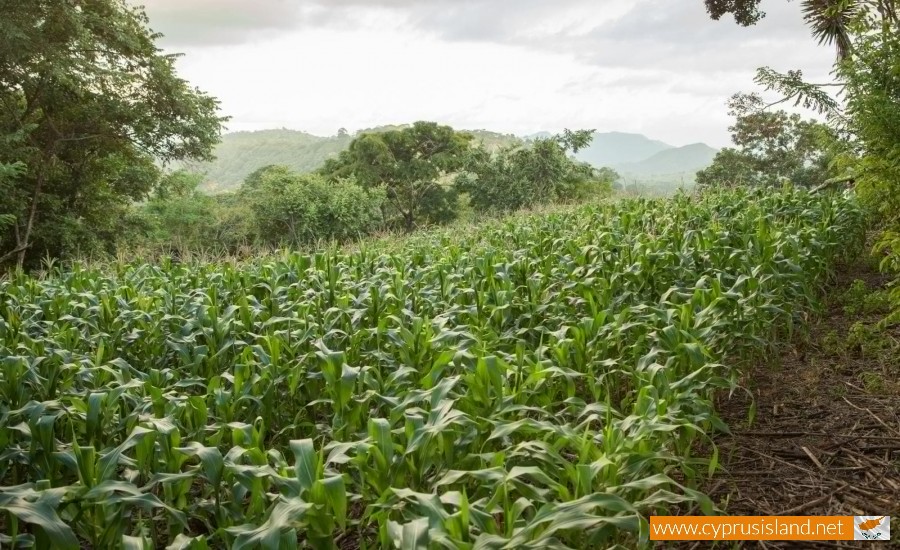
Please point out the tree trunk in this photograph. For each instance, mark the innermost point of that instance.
(25, 241)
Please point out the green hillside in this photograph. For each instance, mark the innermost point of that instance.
(689, 158)
(667, 170)
(637, 157)
(241, 153)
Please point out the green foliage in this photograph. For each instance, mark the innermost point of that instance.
(539, 173)
(867, 72)
(178, 217)
(304, 208)
(872, 79)
(731, 168)
(745, 12)
(773, 147)
(859, 299)
(9, 173)
(872, 342)
(242, 153)
(542, 381)
(89, 105)
(411, 164)
(871, 75)
(833, 345)
(828, 20)
(792, 87)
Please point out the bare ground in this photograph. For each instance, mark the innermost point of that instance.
(826, 438)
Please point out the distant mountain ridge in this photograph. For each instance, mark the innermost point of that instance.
(635, 156)
(617, 148)
(241, 153)
(648, 162)
(692, 157)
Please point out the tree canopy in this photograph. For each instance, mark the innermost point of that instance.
(89, 107)
(411, 164)
(773, 146)
(297, 208)
(521, 177)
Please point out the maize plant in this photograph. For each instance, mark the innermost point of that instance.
(538, 382)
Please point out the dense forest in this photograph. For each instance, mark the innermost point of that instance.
(418, 336)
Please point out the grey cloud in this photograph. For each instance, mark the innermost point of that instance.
(213, 22)
(669, 35)
(199, 22)
(679, 36)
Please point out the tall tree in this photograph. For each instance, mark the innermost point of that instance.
(90, 106)
(774, 146)
(541, 172)
(411, 164)
(828, 20)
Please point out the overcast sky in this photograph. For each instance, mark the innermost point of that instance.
(658, 67)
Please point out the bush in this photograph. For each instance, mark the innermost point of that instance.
(541, 173)
(302, 208)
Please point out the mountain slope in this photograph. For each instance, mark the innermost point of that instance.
(689, 158)
(241, 153)
(610, 148)
(635, 156)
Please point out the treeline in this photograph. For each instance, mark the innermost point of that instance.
(239, 154)
(91, 110)
(397, 180)
(859, 142)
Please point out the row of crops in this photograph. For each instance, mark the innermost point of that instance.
(538, 383)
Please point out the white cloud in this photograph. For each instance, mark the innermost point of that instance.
(659, 67)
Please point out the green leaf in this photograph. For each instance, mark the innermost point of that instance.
(306, 464)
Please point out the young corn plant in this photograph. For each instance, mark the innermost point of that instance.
(538, 381)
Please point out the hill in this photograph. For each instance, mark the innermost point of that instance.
(241, 153)
(638, 158)
(614, 148)
(667, 170)
(689, 158)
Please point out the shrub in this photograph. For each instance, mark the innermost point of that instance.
(291, 208)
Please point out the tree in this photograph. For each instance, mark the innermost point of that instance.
(745, 12)
(90, 106)
(773, 146)
(179, 216)
(871, 80)
(866, 111)
(411, 164)
(181, 219)
(829, 20)
(867, 108)
(542, 172)
(730, 168)
(302, 208)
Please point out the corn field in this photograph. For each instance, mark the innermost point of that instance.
(541, 382)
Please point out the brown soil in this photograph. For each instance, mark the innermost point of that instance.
(826, 438)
